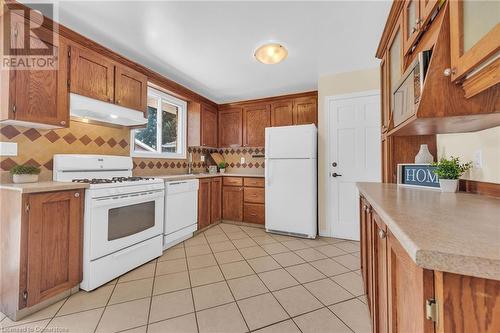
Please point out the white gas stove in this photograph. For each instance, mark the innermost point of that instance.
(123, 217)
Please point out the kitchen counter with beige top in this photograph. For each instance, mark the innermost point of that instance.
(207, 175)
(450, 232)
(39, 187)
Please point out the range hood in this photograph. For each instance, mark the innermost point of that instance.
(90, 110)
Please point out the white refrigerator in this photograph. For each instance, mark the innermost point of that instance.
(291, 180)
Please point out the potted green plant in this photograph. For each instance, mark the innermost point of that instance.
(222, 167)
(448, 171)
(25, 174)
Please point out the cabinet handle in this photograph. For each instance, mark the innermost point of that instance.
(413, 30)
(63, 122)
(449, 71)
(77, 195)
(381, 234)
(118, 101)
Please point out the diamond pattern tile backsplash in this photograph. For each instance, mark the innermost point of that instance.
(37, 147)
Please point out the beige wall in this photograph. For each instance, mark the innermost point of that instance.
(464, 145)
(337, 84)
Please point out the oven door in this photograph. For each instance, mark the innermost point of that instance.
(117, 222)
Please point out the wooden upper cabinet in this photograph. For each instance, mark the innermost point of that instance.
(38, 95)
(208, 126)
(215, 200)
(255, 120)
(204, 203)
(394, 63)
(385, 95)
(131, 88)
(427, 8)
(282, 113)
(474, 40)
(409, 286)
(230, 128)
(92, 75)
(54, 256)
(305, 110)
(411, 23)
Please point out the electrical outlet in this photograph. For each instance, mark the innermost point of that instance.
(242, 160)
(203, 158)
(8, 149)
(478, 159)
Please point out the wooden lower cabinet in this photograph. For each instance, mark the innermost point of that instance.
(209, 201)
(41, 257)
(403, 297)
(254, 213)
(243, 200)
(232, 203)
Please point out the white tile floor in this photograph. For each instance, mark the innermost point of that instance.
(228, 279)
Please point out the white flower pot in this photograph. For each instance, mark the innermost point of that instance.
(448, 185)
(24, 178)
(222, 170)
(424, 156)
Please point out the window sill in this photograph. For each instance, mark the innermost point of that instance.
(159, 156)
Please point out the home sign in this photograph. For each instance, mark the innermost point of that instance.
(421, 175)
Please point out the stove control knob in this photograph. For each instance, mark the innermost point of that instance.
(77, 195)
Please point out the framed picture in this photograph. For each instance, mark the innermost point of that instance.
(417, 175)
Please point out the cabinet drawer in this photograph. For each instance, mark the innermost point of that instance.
(254, 195)
(233, 181)
(254, 213)
(254, 182)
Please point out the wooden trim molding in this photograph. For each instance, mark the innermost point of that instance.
(486, 78)
(226, 106)
(392, 21)
(478, 187)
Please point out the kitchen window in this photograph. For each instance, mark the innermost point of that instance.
(165, 133)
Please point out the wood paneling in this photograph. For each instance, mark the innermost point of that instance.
(484, 188)
(467, 304)
(305, 110)
(92, 74)
(253, 195)
(409, 286)
(208, 126)
(54, 243)
(232, 203)
(204, 203)
(254, 213)
(253, 182)
(233, 181)
(215, 200)
(230, 128)
(282, 113)
(255, 120)
(131, 89)
(404, 148)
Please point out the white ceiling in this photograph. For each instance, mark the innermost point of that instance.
(208, 46)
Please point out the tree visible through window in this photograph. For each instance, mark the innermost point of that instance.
(164, 133)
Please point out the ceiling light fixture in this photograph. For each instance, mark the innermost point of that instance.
(271, 53)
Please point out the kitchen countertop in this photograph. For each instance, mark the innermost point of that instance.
(39, 187)
(207, 175)
(450, 232)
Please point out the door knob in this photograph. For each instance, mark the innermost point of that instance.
(336, 175)
(334, 164)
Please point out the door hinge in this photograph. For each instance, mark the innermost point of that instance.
(25, 295)
(69, 83)
(69, 53)
(27, 207)
(14, 108)
(431, 309)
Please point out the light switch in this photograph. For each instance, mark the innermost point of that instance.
(202, 158)
(478, 159)
(242, 160)
(8, 148)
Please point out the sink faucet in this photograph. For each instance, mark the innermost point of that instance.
(190, 164)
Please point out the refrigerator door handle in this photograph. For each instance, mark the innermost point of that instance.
(267, 173)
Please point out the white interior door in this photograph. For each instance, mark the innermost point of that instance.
(354, 156)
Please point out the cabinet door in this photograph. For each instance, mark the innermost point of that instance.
(305, 110)
(255, 121)
(411, 23)
(232, 203)
(395, 63)
(426, 9)
(254, 213)
(54, 247)
(409, 286)
(216, 200)
(363, 228)
(92, 74)
(131, 89)
(41, 95)
(385, 97)
(282, 113)
(379, 304)
(474, 35)
(204, 203)
(230, 128)
(208, 126)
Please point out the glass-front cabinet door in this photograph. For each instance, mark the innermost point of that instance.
(411, 23)
(394, 64)
(474, 35)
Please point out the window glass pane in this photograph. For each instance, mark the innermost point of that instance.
(145, 139)
(170, 118)
(131, 219)
(479, 17)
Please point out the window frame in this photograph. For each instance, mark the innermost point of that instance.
(181, 128)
